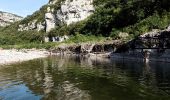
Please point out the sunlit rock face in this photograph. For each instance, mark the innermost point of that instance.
(74, 10)
(50, 20)
(57, 13)
(8, 18)
(32, 26)
(71, 11)
(68, 12)
(52, 2)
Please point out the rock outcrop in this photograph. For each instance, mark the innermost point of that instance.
(8, 18)
(50, 20)
(32, 26)
(75, 10)
(71, 11)
(86, 48)
(150, 46)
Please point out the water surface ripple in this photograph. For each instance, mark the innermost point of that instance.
(77, 78)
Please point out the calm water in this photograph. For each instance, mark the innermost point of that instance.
(74, 78)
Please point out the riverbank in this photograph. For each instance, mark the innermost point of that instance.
(112, 50)
(13, 55)
(88, 50)
(8, 56)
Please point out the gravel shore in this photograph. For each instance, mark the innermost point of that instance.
(13, 56)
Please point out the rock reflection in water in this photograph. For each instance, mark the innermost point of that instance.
(68, 91)
(79, 78)
(48, 81)
(64, 90)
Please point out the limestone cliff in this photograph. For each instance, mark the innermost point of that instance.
(8, 18)
(59, 12)
(74, 11)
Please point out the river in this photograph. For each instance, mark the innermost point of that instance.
(77, 78)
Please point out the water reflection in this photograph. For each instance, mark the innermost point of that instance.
(48, 79)
(78, 78)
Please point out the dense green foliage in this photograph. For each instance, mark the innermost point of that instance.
(113, 16)
(74, 39)
(10, 36)
(136, 15)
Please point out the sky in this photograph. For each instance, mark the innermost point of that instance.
(21, 7)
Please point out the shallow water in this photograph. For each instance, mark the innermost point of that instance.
(75, 78)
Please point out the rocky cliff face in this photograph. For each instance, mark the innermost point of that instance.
(8, 18)
(33, 25)
(74, 10)
(69, 11)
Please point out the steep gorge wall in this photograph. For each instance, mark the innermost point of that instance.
(74, 11)
(69, 11)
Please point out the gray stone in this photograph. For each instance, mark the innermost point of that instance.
(32, 26)
(40, 26)
(71, 11)
(154, 32)
(50, 21)
(8, 18)
(168, 29)
(74, 10)
(123, 35)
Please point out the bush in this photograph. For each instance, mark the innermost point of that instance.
(114, 33)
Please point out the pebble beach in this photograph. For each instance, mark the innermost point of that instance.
(13, 56)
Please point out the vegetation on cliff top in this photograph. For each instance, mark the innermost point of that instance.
(111, 17)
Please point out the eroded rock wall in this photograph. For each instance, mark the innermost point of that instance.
(70, 11)
(75, 10)
(8, 18)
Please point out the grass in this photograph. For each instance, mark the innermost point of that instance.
(79, 38)
(30, 46)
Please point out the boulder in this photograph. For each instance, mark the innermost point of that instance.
(123, 35)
